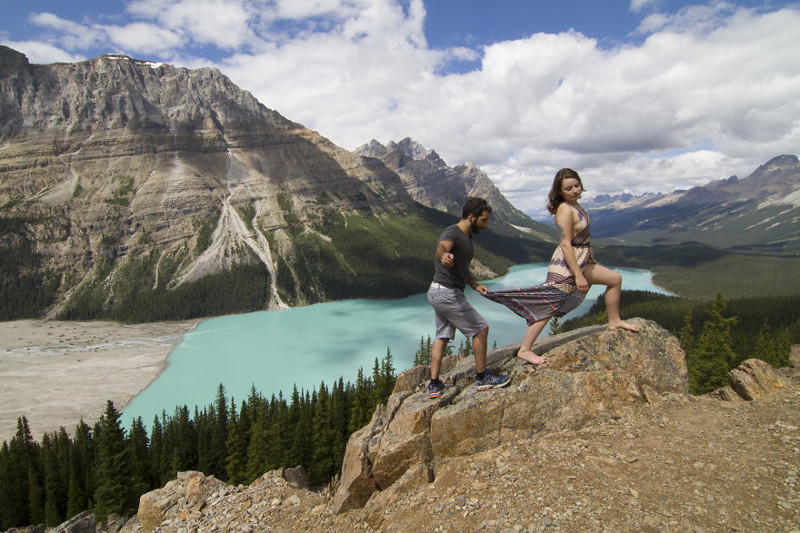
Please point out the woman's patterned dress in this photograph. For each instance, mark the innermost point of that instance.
(559, 294)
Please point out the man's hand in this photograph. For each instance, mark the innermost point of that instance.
(481, 289)
(447, 260)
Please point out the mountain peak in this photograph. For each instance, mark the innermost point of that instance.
(409, 148)
(10, 59)
(781, 162)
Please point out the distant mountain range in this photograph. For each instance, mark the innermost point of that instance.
(137, 191)
(759, 213)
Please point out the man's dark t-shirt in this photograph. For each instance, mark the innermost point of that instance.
(455, 277)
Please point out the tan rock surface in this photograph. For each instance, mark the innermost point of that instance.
(55, 373)
(592, 373)
(685, 463)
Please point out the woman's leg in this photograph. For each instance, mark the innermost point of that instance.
(531, 334)
(599, 275)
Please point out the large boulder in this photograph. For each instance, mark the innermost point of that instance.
(591, 373)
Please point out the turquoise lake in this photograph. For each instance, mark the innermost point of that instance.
(275, 350)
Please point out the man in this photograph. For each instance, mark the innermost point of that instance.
(446, 294)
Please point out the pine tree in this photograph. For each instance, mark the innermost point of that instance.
(302, 448)
(383, 377)
(6, 489)
(765, 345)
(422, 357)
(363, 406)
(55, 491)
(219, 436)
(140, 480)
(686, 335)
(555, 326)
(35, 494)
(113, 468)
(322, 464)
(80, 471)
(63, 447)
(257, 447)
(783, 347)
(714, 355)
(155, 452)
(236, 460)
(21, 453)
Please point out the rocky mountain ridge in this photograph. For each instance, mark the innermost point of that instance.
(759, 212)
(431, 182)
(605, 437)
(141, 191)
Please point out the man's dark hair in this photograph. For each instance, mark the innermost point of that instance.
(475, 206)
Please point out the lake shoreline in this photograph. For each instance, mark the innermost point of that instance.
(57, 373)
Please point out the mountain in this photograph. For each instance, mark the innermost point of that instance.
(758, 213)
(431, 182)
(139, 191)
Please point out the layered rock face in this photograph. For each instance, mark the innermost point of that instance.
(592, 373)
(116, 171)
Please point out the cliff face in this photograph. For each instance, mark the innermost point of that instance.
(119, 176)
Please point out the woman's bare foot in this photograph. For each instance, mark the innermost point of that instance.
(530, 357)
(622, 325)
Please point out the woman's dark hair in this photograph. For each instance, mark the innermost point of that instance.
(554, 199)
(475, 206)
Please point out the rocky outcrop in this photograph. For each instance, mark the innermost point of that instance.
(592, 373)
(186, 501)
(754, 378)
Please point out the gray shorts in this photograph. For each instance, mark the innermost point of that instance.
(454, 311)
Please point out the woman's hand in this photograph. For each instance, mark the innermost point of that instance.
(581, 282)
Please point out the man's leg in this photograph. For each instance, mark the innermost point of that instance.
(479, 342)
(437, 350)
(483, 380)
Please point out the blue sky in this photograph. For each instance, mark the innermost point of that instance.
(637, 95)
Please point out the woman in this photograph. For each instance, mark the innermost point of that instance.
(571, 272)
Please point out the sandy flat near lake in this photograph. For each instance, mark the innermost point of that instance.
(55, 373)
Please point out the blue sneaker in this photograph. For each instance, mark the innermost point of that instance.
(492, 381)
(436, 389)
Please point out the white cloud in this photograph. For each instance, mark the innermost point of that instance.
(638, 5)
(223, 23)
(707, 92)
(142, 38)
(42, 53)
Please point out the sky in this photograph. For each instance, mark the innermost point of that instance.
(636, 95)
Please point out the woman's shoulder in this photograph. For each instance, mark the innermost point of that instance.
(565, 207)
